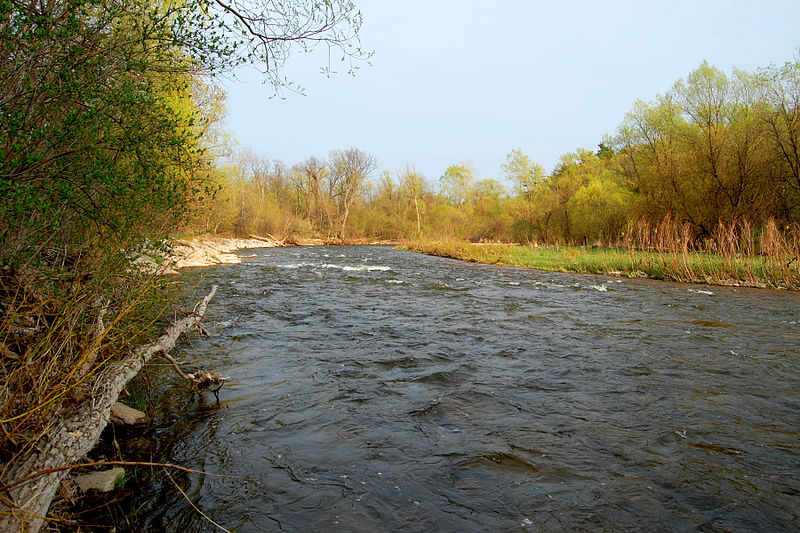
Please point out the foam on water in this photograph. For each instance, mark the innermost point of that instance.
(366, 268)
(701, 291)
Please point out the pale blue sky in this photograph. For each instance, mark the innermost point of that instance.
(462, 80)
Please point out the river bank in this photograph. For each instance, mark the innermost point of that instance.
(689, 267)
(203, 251)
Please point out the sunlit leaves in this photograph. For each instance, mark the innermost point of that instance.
(523, 172)
(716, 148)
(456, 183)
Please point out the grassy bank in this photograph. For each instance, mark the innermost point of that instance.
(689, 267)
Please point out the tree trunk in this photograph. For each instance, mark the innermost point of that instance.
(419, 224)
(344, 220)
(76, 433)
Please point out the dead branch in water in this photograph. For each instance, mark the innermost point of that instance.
(201, 379)
(24, 505)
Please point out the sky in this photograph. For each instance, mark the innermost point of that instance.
(461, 81)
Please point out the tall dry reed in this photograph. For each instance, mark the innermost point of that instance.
(734, 253)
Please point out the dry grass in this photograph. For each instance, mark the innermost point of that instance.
(735, 254)
(57, 333)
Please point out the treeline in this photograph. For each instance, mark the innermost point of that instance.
(715, 149)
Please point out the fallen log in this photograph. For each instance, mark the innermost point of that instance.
(24, 507)
(269, 239)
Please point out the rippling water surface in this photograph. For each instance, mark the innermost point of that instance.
(379, 390)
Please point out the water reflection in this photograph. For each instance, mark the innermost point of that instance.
(377, 390)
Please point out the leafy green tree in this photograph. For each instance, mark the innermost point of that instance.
(599, 210)
(456, 183)
(523, 172)
(708, 150)
(98, 126)
(653, 161)
(528, 177)
(490, 219)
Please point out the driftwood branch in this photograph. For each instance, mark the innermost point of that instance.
(269, 239)
(23, 507)
(202, 379)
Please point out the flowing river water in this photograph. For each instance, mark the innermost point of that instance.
(379, 390)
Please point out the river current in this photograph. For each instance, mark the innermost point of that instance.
(379, 390)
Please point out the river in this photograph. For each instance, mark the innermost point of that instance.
(379, 390)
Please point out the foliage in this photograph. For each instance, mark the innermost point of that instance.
(714, 149)
(599, 210)
(456, 183)
(108, 125)
(524, 173)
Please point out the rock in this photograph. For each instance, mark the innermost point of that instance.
(122, 414)
(102, 481)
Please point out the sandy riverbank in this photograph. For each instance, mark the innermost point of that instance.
(208, 251)
(204, 251)
(198, 252)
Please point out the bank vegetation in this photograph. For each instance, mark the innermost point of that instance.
(700, 184)
(111, 148)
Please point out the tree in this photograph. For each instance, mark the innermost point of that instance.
(456, 183)
(349, 171)
(779, 109)
(489, 218)
(412, 183)
(99, 130)
(264, 33)
(702, 153)
(599, 210)
(523, 172)
(528, 177)
(308, 178)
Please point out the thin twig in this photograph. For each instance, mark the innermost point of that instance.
(46, 471)
(174, 364)
(192, 504)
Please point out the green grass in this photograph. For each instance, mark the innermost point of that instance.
(138, 398)
(120, 481)
(690, 267)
